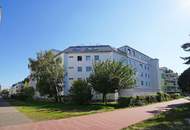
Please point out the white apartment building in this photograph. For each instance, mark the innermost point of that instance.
(16, 88)
(78, 62)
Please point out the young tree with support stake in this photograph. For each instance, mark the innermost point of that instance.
(110, 76)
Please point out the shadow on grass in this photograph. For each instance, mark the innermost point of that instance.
(163, 109)
(170, 120)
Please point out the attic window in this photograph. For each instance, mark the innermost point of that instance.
(129, 51)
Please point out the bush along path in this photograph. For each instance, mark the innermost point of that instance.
(144, 100)
(114, 120)
(39, 110)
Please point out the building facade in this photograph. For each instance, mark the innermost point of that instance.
(78, 64)
(169, 80)
(16, 88)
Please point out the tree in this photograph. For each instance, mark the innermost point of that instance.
(184, 81)
(5, 93)
(28, 91)
(184, 78)
(186, 47)
(110, 76)
(81, 92)
(48, 71)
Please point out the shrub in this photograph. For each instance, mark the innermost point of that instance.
(26, 93)
(175, 95)
(140, 101)
(124, 101)
(163, 97)
(80, 92)
(160, 97)
(143, 100)
(4, 93)
(151, 99)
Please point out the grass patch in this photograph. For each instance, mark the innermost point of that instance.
(38, 111)
(171, 120)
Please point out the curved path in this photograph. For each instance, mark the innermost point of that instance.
(114, 120)
(10, 115)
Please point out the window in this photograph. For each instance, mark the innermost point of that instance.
(87, 58)
(80, 69)
(146, 75)
(88, 68)
(70, 78)
(129, 61)
(142, 83)
(129, 51)
(70, 56)
(141, 65)
(71, 67)
(134, 53)
(146, 83)
(80, 78)
(79, 58)
(141, 74)
(96, 57)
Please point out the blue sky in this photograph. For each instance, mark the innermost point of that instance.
(156, 27)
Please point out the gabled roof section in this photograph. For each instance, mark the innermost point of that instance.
(54, 51)
(90, 49)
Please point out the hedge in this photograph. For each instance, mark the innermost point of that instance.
(144, 100)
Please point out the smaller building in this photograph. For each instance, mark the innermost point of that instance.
(16, 88)
(169, 80)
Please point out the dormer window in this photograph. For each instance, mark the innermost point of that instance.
(129, 51)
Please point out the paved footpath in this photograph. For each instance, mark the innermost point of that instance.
(10, 115)
(114, 120)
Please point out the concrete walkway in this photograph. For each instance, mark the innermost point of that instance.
(10, 116)
(114, 120)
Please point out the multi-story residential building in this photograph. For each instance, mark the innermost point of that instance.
(78, 64)
(169, 80)
(16, 88)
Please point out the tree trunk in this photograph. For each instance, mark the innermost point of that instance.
(104, 98)
(56, 99)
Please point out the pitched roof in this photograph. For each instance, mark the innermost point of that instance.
(84, 49)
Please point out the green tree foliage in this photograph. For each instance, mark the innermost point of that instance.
(28, 91)
(80, 92)
(186, 47)
(184, 81)
(110, 76)
(4, 93)
(48, 71)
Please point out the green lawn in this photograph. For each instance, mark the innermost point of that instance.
(171, 120)
(38, 111)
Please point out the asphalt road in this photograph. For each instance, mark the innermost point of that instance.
(9, 115)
